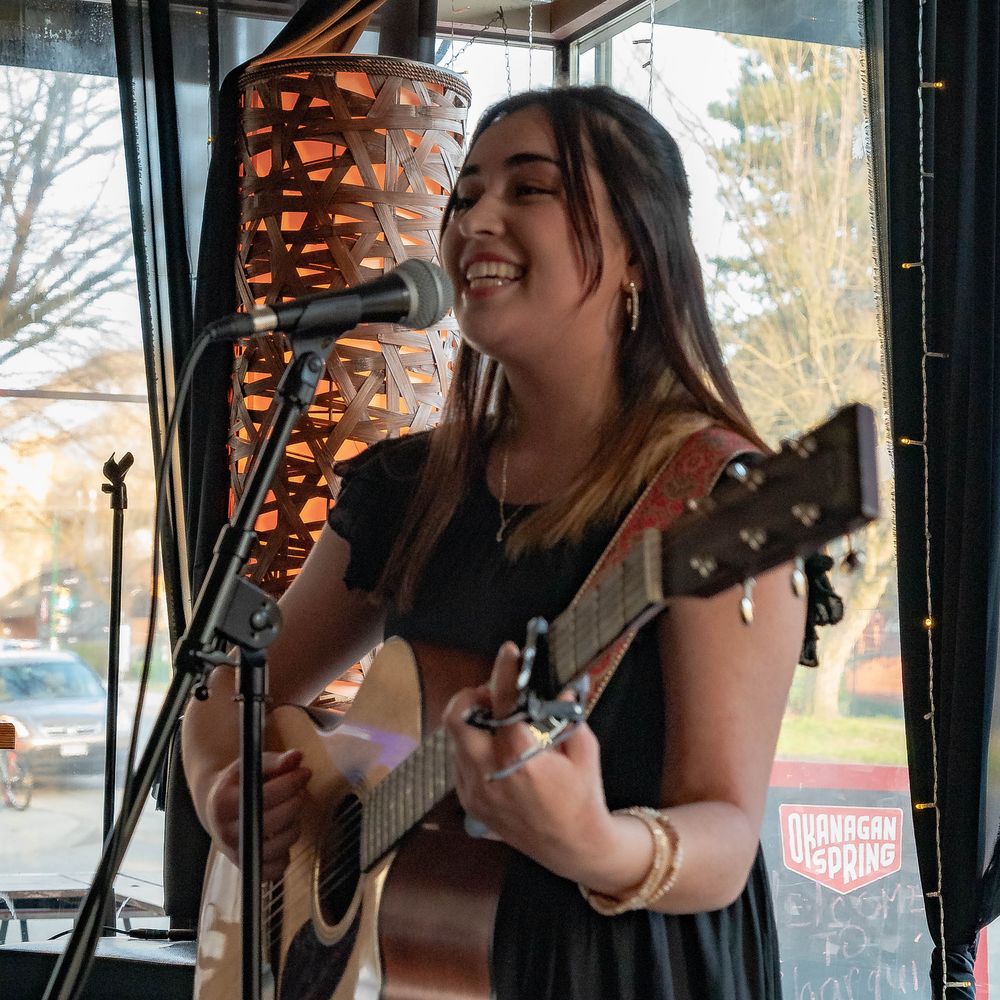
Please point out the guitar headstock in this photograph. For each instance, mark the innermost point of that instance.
(816, 488)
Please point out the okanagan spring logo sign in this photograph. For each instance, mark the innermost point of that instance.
(841, 847)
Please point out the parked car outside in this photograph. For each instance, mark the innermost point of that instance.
(57, 706)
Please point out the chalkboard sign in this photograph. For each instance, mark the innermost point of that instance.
(848, 903)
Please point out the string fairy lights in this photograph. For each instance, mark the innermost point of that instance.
(531, 38)
(928, 622)
(649, 65)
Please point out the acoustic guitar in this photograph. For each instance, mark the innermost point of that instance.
(386, 895)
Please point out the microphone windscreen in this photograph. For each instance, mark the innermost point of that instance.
(433, 293)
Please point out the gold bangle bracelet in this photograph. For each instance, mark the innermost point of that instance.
(676, 860)
(663, 870)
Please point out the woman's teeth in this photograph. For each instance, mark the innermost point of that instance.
(491, 274)
(488, 282)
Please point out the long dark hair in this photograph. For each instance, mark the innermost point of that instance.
(670, 368)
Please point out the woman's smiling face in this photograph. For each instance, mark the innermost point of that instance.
(512, 253)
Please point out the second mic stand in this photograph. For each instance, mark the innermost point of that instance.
(114, 472)
(229, 609)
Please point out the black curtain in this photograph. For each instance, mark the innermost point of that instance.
(943, 379)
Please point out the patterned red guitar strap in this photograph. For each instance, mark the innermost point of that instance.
(690, 472)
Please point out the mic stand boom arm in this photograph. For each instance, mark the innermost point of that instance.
(229, 609)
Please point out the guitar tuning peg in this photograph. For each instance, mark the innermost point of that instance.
(799, 582)
(743, 474)
(803, 447)
(807, 514)
(738, 471)
(704, 505)
(754, 538)
(704, 566)
(746, 601)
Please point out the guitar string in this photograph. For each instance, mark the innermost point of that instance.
(334, 878)
(343, 870)
(347, 825)
(348, 831)
(337, 874)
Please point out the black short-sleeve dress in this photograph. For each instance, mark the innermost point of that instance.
(549, 944)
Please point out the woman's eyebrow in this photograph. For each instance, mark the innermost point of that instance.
(514, 160)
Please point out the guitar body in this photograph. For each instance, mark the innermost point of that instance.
(419, 924)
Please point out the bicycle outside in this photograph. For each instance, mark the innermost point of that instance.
(16, 781)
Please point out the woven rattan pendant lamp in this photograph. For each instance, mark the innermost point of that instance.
(346, 164)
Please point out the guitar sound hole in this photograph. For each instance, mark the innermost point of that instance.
(340, 860)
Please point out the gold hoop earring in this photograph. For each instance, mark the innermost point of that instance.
(632, 307)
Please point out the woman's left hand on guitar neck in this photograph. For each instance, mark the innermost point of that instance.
(552, 808)
(725, 687)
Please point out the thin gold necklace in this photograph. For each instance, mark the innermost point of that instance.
(504, 519)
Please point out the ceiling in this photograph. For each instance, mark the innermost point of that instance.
(551, 20)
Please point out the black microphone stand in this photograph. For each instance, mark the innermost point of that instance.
(229, 609)
(114, 472)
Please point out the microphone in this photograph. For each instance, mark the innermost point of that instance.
(415, 294)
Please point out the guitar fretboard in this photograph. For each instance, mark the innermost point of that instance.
(407, 794)
(627, 591)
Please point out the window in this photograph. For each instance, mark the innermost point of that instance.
(494, 69)
(771, 124)
(72, 395)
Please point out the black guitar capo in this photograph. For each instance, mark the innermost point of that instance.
(550, 717)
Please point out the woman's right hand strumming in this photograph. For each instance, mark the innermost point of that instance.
(285, 780)
(314, 646)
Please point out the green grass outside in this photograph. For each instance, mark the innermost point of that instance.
(856, 740)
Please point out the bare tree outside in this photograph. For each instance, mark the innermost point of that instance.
(72, 383)
(60, 250)
(72, 392)
(795, 304)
